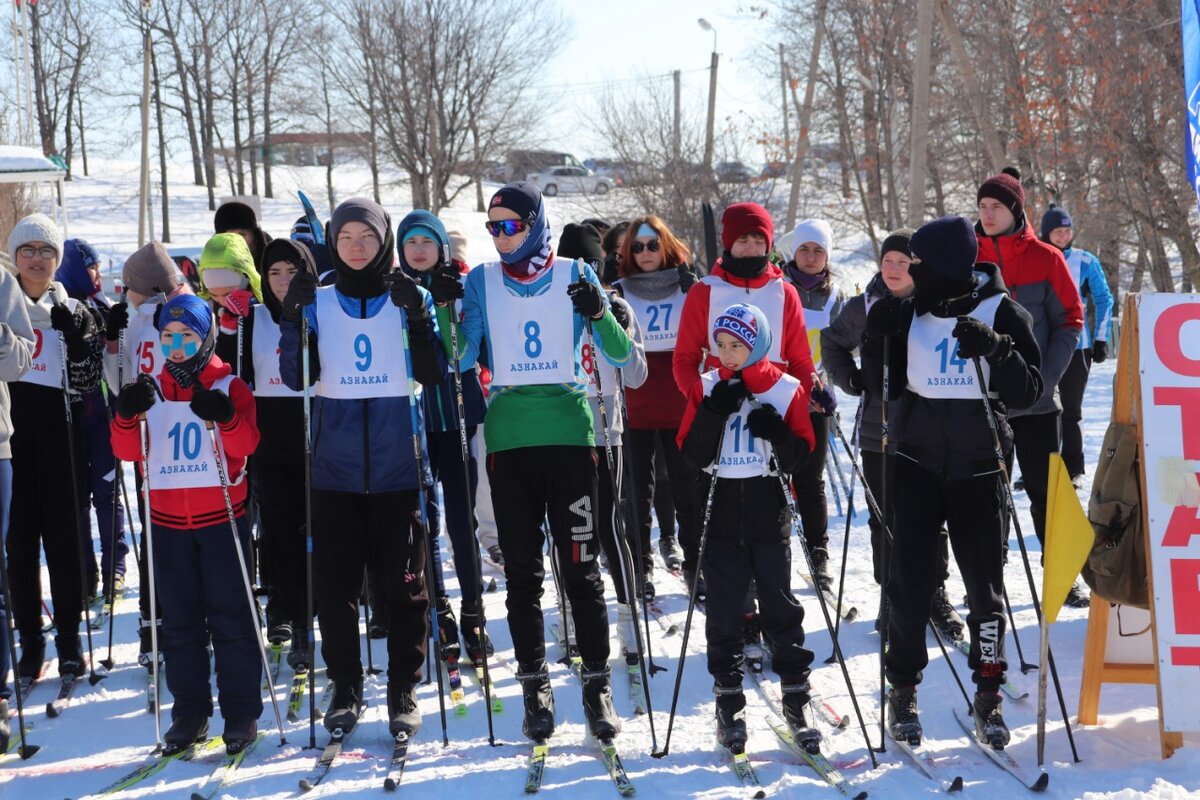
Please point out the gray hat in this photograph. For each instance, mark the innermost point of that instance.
(35, 228)
(150, 270)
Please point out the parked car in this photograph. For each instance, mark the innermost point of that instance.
(519, 163)
(732, 172)
(569, 180)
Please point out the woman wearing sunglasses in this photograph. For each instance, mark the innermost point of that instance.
(654, 277)
(532, 313)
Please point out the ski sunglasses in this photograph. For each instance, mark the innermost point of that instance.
(653, 246)
(507, 227)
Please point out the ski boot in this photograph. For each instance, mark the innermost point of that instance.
(989, 724)
(448, 646)
(279, 633)
(647, 585)
(672, 554)
(602, 719)
(1077, 597)
(944, 617)
(731, 717)
(185, 730)
(820, 561)
(903, 722)
(539, 702)
(795, 699)
(626, 630)
(689, 575)
(5, 728)
(240, 733)
(752, 642)
(297, 657)
(347, 705)
(33, 657)
(70, 656)
(479, 644)
(403, 714)
(496, 556)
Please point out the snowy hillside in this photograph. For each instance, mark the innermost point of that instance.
(106, 731)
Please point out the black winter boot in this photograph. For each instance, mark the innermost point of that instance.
(347, 705)
(903, 722)
(185, 729)
(731, 717)
(795, 699)
(240, 733)
(539, 702)
(989, 724)
(597, 701)
(944, 616)
(672, 554)
(403, 714)
(479, 644)
(450, 650)
(820, 560)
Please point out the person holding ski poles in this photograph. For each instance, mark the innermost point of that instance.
(945, 463)
(533, 313)
(746, 422)
(195, 560)
(364, 469)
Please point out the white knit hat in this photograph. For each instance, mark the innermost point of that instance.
(809, 230)
(35, 228)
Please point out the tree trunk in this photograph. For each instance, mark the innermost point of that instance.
(268, 80)
(82, 142)
(329, 144)
(805, 117)
(250, 131)
(235, 102)
(919, 116)
(40, 82)
(162, 148)
(987, 130)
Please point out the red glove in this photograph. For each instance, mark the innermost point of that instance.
(238, 302)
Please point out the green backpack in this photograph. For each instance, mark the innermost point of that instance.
(1116, 566)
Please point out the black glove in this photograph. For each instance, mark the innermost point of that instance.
(765, 423)
(687, 278)
(63, 321)
(727, 396)
(977, 339)
(118, 320)
(886, 319)
(446, 286)
(621, 313)
(404, 291)
(1099, 351)
(587, 298)
(212, 405)
(301, 292)
(856, 382)
(825, 399)
(137, 397)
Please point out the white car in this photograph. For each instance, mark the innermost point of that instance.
(568, 180)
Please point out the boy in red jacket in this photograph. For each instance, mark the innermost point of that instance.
(734, 431)
(195, 564)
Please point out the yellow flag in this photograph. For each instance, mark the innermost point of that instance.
(1069, 538)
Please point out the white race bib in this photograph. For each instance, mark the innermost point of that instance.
(744, 455)
(181, 455)
(659, 319)
(47, 366)
(143, 343)
(934, 369)
(360, 358)
(815, 322)
(768, 298)
(265, 353)
(531, 339)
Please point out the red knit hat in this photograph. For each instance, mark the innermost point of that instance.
(1006, 188)
(742, 218)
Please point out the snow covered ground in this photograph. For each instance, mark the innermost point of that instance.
(106, 731)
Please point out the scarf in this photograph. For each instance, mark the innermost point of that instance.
(805, 280)
(652, 285)
(187, 372)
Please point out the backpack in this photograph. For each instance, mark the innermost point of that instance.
(1116, 566)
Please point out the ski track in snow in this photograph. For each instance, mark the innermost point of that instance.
(106, 730)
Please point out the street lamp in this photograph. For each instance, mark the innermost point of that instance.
(712, 104)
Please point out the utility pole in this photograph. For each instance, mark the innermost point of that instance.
(920, 114)
(144, 186)
(675, 130)
(783, 105)
(712, 109)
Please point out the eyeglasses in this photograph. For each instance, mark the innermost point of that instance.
(29, 251)
(507, 227)
(652, 245)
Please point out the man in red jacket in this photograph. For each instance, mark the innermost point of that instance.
(1037, 276)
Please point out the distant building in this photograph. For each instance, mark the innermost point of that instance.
(312, 149)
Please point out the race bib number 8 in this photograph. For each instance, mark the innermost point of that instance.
(533, 342)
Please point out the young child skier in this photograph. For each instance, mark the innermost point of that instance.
(745, 423)
(946, 470)
(195, 563)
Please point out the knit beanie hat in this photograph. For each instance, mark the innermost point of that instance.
(1055, 217)
(898, 241)
(580, 241)
(420, 222)
(458, 246)
(150, 271)
(226, 263)
(368, 281)
(748, 325)
(234, 216)
(188, 309)
(522, 198)
(1006, 188)
(78, 256)
(809, 230)
(947, 247)
(36, 227)
(742, 218)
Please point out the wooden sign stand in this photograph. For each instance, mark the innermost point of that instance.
(1097, 669)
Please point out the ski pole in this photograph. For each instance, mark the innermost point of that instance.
(476, 561)
(422, 510)
(107, 663)
(824, 605)
(837, 495)
(1012, 624)
(837, 461)
(214, 439)
(76, 497)
(1012, 511)
(306, 379)
(364, 598)
(619, 532)
(26, 749)
(837, 623)
(687, 623)
(885, 522)
(148, 540)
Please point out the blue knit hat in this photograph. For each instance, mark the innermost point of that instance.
(748, 325)
(1055, 217)
(78, 256)
(190, 310)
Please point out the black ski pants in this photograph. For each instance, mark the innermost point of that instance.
(973, 512)
(872, 466)
(281, 526)
(809, 484)
(644, 445)
(458, 499)
(350, 530)
(1070, 392)
(558, 483)
(608, 508)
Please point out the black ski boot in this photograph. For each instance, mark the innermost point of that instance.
(449, 648)
(597, 701)
(403, 714)
(944, 616)
(752, 642)
(479, 644)
(647, 584)
(279, 633)
(33, 657)
(820, 560)
(347, 705)
(989, 724)
(1078, 597)
(731, 717)
(297, 657)
(690, 575)
(672, 554)
(70, 656)
(185, 730)
(240, 733)
(5, 728)
(903, 722)
(539, 702)
(795, 699)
